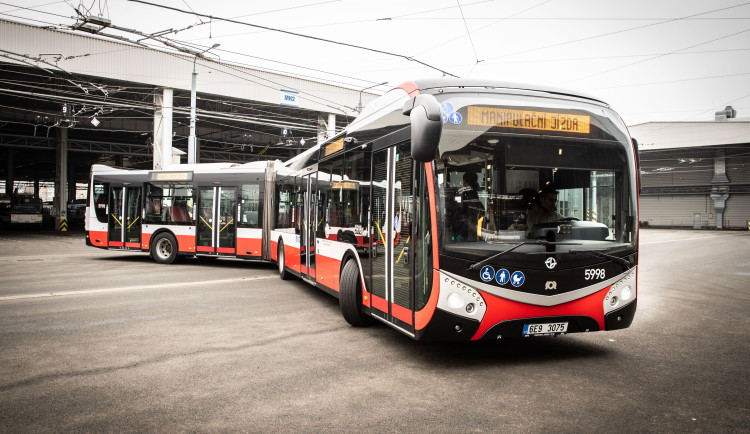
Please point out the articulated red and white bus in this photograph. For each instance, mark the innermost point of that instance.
(434, 212)
(449, 210)
(195, 210)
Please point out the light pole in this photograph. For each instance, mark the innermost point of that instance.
(192, 151)
(359, 106)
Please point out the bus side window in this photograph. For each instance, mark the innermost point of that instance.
(154, 196)
(324, 192)
(101, 192)
(284, 197)
(251, 206)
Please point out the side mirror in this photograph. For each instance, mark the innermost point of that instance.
(426, 126)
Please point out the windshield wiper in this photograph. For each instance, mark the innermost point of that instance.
(622, 261)
(515, 246)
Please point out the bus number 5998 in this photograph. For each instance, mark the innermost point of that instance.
(594, 273)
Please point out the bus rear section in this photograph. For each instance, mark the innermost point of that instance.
(204, 210)
(454, 247)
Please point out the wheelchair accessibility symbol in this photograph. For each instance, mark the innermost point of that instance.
(487, 273)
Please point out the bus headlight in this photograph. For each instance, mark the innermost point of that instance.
(454, 300)
(621, 293)
(460, 299)
(626, 293)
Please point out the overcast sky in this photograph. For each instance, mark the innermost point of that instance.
(650, 60)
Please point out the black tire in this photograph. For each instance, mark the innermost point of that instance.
(280, 258)
(350, 296)
(164, 248)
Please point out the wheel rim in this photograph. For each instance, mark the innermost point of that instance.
(164, 249)
(281, 259)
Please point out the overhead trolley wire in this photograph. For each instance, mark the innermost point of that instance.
(615, 32)
(279, 85)
(484, 27)
(468, 32)
(31, 9)
(659, 56)
(315, 38)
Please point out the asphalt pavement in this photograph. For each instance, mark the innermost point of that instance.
(100, 341)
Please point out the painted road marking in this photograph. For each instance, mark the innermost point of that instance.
(130, 288)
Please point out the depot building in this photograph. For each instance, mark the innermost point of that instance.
(76, 97)
(695, 174)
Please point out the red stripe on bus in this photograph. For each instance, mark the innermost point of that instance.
(402, 313)
(230, 250)
(115, 244)
(423, 317)
(133, 245)
(145, 240)
(186, 243)
(249, 246)
(410, 87)
(329, 269)
(98, 238)
(291, 257)
(365, 294)
(380, 304)
(204, 249)
(499, 310)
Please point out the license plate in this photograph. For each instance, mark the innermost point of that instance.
(545, 329)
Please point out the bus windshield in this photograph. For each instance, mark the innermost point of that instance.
(547, 186)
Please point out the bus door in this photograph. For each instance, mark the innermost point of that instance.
(392, 272)
(309, 225)
(125, 217)
(217, 220)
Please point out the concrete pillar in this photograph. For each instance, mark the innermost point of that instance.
(326, 127)
(71, 181)
(331, 125)
(61, 181)
(321, 128)
(163, 129)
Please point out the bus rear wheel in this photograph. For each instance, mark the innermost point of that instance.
(350, 296)
(164, 248)
(283, 273)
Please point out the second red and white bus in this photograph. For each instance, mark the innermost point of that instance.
(193, 210)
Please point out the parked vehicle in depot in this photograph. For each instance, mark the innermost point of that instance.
(198, 210)
(21, 209)
(77, 212)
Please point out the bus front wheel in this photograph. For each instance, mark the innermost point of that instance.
(350, 296)
(164, 248)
